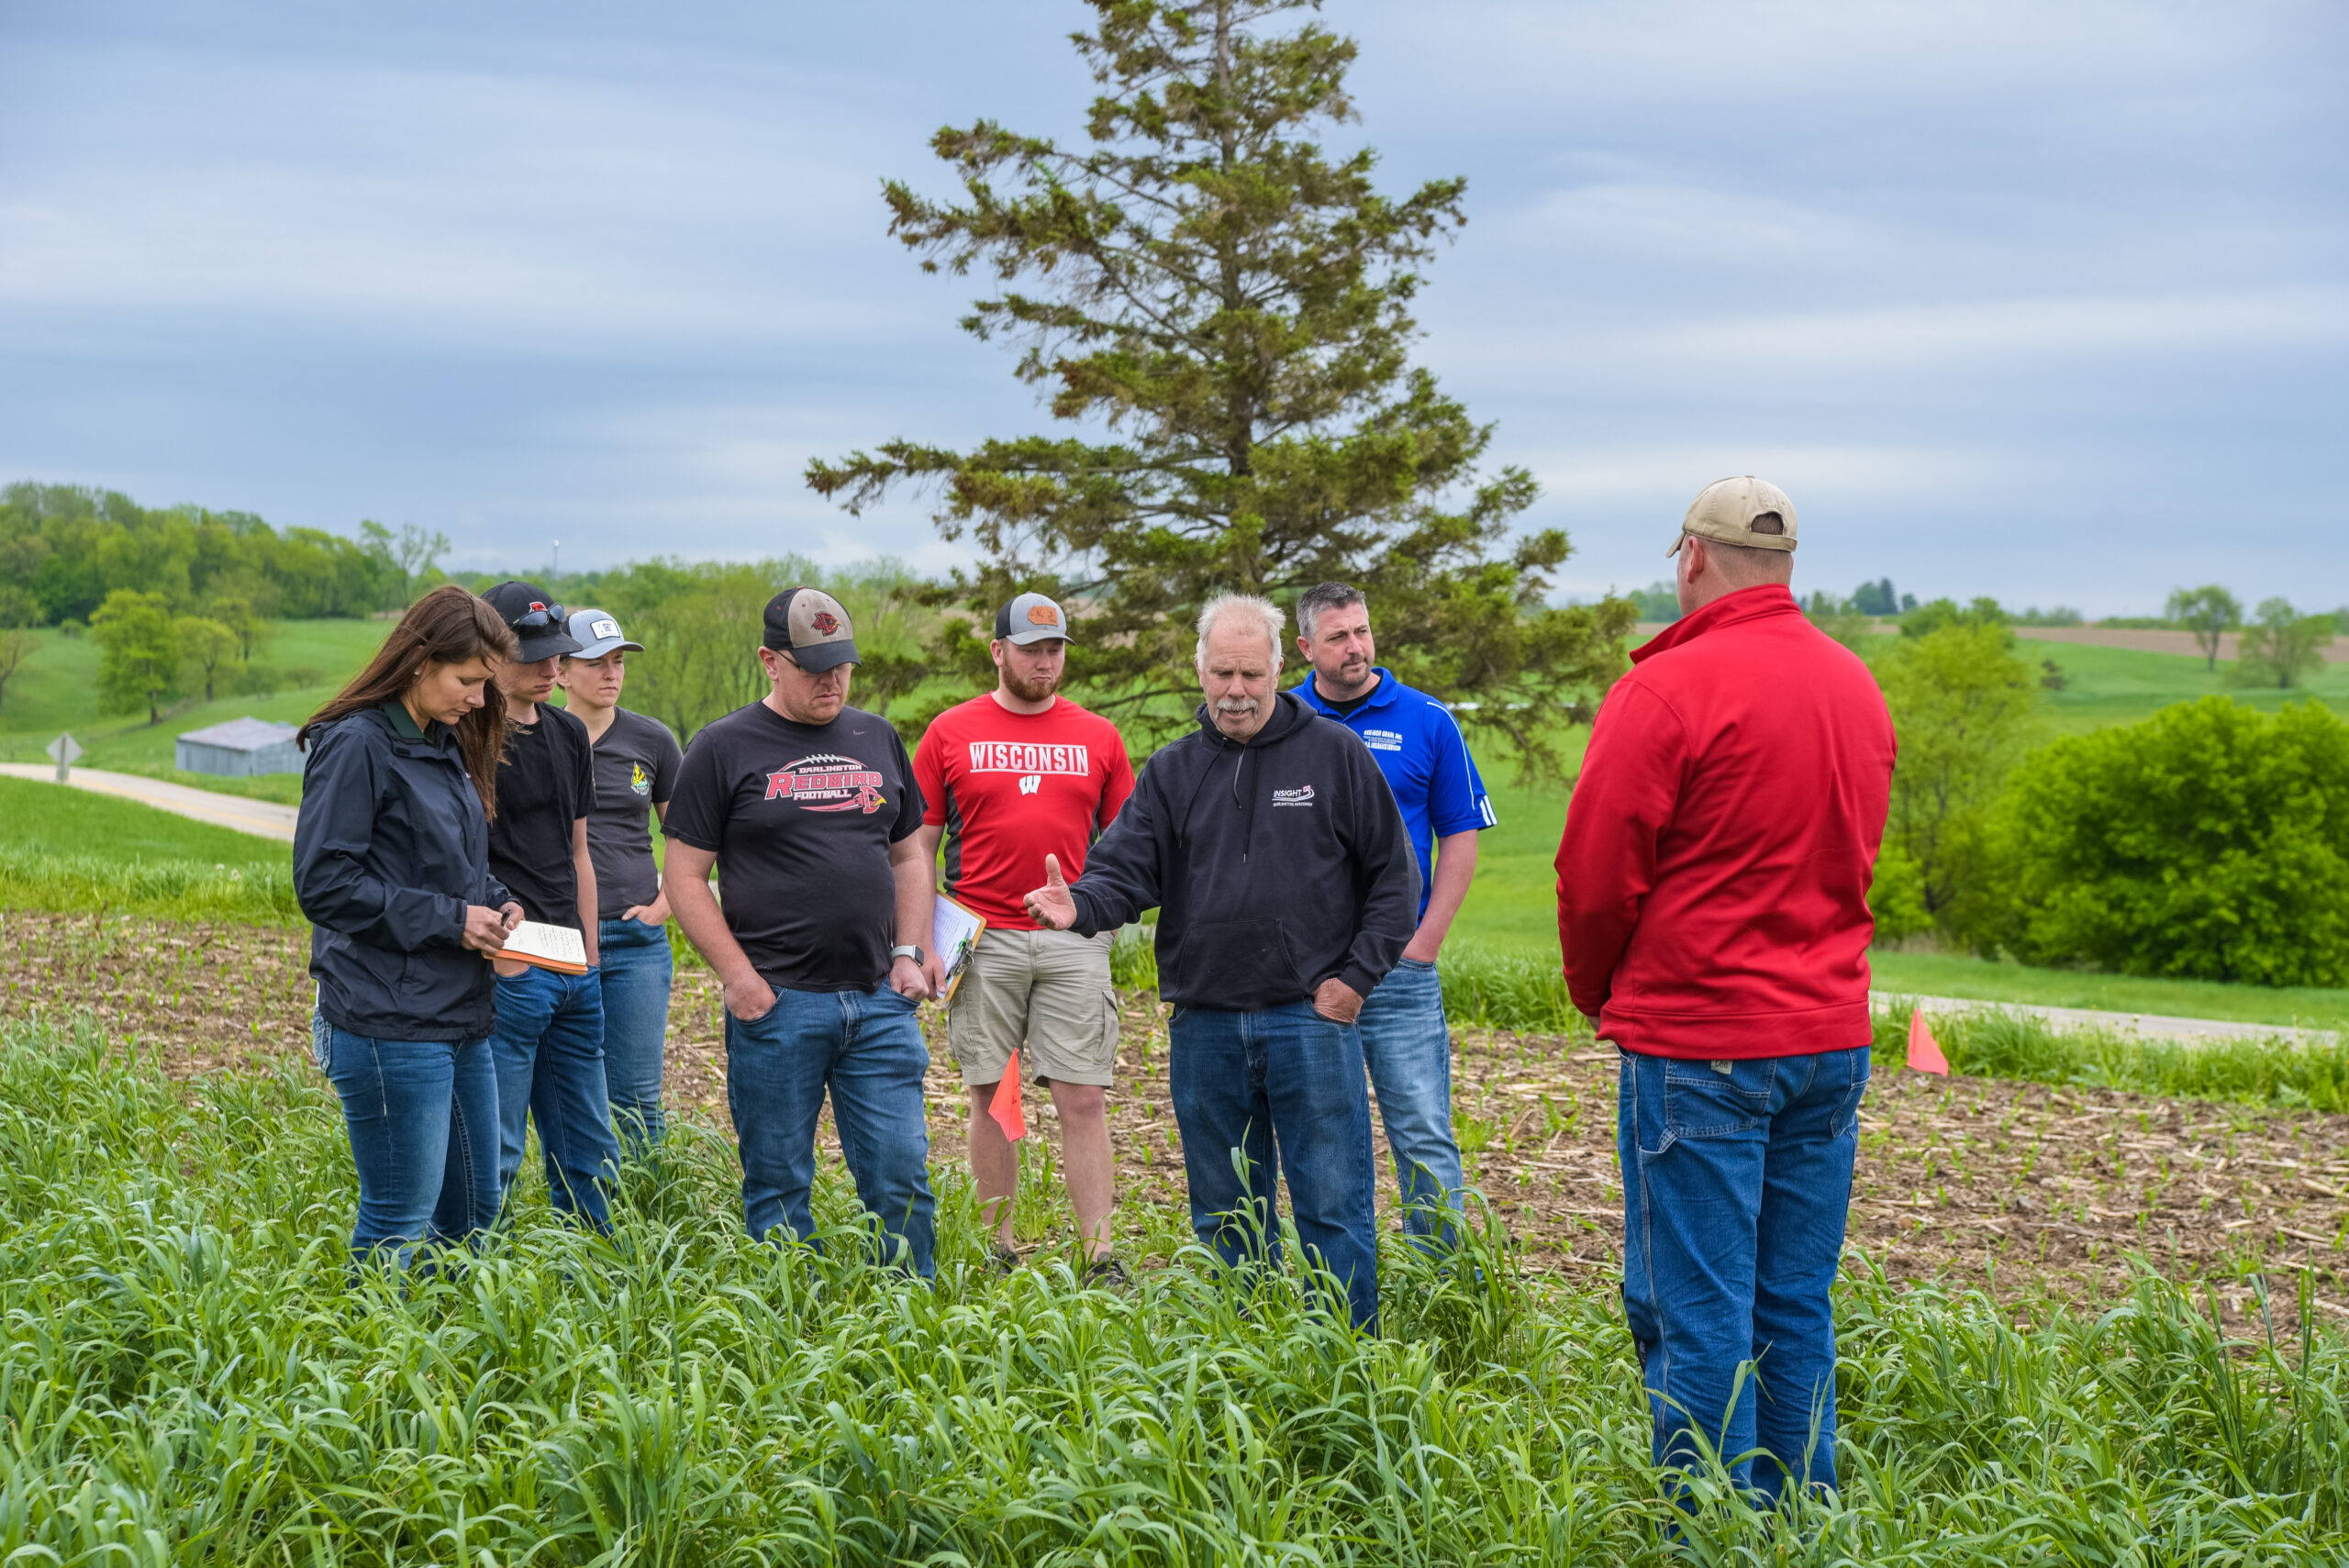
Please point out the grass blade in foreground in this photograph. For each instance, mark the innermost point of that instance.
(184, 1374)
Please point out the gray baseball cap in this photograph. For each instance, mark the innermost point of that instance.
(1031, 617)
(598, 634)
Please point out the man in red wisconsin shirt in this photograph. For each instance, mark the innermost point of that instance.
(1010, 777)
(1712, 907)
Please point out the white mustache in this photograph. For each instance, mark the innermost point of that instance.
(1235, 707)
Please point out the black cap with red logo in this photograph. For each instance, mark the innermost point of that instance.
(535, 619)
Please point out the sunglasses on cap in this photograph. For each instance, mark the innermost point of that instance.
(539, 620)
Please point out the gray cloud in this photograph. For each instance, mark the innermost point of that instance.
(1989, 286)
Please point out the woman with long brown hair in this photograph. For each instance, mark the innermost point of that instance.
(390, 863)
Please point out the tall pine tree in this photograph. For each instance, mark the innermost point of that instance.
(1228, 307)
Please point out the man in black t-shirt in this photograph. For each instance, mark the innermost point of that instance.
(549, 1043)
(808, 810)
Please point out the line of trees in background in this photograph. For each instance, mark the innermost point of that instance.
(181, 600)
(699, 620)
(1659, 601)
(65, 549)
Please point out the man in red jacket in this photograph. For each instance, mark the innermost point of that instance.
(1713, 908)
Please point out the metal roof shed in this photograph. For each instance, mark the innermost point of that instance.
(240, 749)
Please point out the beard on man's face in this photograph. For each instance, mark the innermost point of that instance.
(1030, 688)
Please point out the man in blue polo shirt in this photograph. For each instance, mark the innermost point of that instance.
(1419, 747)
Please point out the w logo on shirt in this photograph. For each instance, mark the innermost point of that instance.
(1029, 783)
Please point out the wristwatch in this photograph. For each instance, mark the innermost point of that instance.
(909, 950)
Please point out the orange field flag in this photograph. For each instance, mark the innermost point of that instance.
(1006, 1108)
(1924, 1051)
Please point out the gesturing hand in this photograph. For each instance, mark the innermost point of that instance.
(1051, 906)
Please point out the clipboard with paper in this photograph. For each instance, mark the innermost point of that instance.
(953, 935)
(559, 948)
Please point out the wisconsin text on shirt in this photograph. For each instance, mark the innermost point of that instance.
(1021, 757)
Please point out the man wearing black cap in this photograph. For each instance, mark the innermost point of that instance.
(808, 810)
(548, 1044)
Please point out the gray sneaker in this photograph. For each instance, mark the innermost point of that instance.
(1105, 1273)
(1001, 1259)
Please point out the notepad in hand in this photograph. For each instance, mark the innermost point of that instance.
(953, 933)
(559, 948)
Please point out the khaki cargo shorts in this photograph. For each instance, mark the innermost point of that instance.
(1047, 994)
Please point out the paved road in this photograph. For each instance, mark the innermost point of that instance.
(263, 819)
(2154, 1025)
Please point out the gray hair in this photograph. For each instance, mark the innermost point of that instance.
(1247, 605)
(1317, 601)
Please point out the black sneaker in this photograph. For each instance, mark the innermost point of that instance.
(1001, 1259)
(1105, 1273)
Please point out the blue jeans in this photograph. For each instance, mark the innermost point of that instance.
(637, 969)
(549, 1053)
(866, 1048)
(1283, 1086)
(1408, 1044)
(1735, 1189)
(423, 1122)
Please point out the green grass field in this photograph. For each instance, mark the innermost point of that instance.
(43, 819)
(57, 688)
(2117, 685)
(188, 1373)
(74, 851)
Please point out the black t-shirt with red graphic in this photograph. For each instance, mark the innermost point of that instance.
(801, 817)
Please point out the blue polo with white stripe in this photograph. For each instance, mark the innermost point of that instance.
(1419, 747)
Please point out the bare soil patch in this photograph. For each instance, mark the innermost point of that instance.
(2022, 1187)
(2152, 640)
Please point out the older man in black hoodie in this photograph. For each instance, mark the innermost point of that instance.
(1286, 890)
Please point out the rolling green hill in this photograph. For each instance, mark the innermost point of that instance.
(56, 690)
(2117, 685)
(44, 819)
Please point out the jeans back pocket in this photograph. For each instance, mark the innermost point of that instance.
(1701, 1102)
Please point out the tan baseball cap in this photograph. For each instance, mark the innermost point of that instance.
(1725, 509)
(812, 626)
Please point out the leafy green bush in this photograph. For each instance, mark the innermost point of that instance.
(1963, 706)
(1896, 897)
(2210, 842)
(1938, 614)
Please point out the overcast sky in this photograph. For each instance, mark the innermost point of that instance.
(2042, 301)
